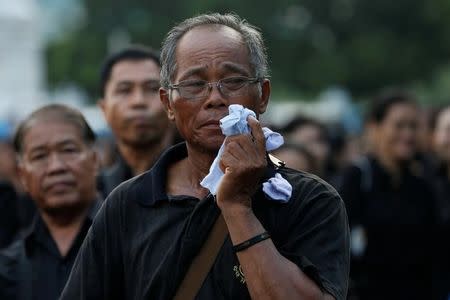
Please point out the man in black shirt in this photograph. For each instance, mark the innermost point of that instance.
(57, 166)
(131, 106)
(151, 227)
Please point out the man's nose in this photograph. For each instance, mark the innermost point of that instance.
(215, 97)
(138, 98)
(55, 163)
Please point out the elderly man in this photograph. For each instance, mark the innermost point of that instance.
(130, 103)
(153, 230)
(57, 166)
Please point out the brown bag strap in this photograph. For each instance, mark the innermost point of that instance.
(202, 263)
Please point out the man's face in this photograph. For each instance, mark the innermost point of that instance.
(131, 104)
(56, 167)
(211, 53)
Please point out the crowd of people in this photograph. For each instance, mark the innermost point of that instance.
(164, 111)
(396, 187)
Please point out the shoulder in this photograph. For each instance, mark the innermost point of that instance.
(131, 189)
(308, 186)
(312, 196)
(10, 259)
(126, 198)
(12, 252)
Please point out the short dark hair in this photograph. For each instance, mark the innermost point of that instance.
(54, 112)
(135, 53)
(385, 100)
(300, 121)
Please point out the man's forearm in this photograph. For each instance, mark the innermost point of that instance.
(268, 274)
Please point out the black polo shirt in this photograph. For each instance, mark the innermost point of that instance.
(143, 240)
(32, 268)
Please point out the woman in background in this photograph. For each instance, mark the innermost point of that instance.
(390, 206)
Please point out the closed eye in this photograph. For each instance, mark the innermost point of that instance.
(192, 83)
(234, 83)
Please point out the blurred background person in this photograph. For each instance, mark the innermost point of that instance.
(130, 104)
(440, 144)
(390, 206)
(9, 182)
(345, 149)
(16, 208)
(313, 136)
(57, 167)
(8, 165)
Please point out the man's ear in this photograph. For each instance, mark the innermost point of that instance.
(265, 95)
(164, 96)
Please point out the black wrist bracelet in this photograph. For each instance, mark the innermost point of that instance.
(254, 240)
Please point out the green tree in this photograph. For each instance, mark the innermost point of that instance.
(362, 45)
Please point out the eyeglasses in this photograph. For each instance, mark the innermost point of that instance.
(229, 87)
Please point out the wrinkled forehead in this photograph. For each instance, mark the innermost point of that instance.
(212, 46)
(212, 30)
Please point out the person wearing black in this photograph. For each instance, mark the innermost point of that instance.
(57, 166)
(390, 206)
(16, 208)
(9, 224)
(130, 104)
(440, 137)
(151, 227)
(314, 136)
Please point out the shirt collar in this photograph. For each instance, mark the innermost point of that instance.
(151, 186)
(37, 225)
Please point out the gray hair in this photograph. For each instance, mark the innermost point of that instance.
(250, 34)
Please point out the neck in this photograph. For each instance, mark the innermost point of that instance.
(141, 159)
(199, 162)
(184, 176)
(392, 166)
(64, 228)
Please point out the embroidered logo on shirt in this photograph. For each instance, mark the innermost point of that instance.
(239, 274)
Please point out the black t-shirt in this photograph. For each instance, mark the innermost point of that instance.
(142, 241)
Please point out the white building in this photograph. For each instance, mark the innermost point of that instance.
(21, 58)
